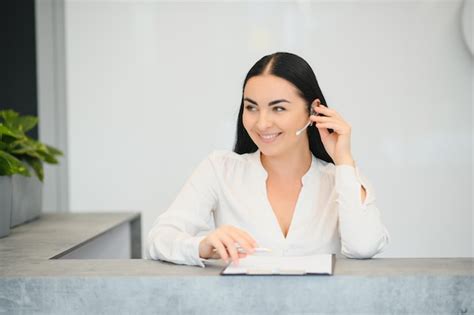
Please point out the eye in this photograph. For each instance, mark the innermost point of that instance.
(277, 109)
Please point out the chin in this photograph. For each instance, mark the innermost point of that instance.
(271, 150)
(280, 149)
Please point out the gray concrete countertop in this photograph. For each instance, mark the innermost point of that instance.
(29, 250)
(30, 281)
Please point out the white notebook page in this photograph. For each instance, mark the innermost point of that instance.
(254, 264)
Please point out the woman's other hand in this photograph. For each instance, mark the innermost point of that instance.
(338, 143)
(221, 243)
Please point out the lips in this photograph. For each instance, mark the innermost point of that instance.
(270, 137)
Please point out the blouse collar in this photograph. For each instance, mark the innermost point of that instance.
(255, 158)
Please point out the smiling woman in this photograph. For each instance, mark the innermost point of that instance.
(297, 193)
(274, 79)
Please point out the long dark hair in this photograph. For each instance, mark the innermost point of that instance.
(297, 71)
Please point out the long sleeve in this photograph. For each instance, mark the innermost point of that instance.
(362, 232)
(176, 233)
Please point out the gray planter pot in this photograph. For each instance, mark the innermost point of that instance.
(6, 189)
(26, 199)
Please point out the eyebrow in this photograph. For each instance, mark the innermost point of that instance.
(269, 104)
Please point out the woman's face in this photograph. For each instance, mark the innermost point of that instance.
(273, 112)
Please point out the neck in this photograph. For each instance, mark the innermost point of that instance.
(289, 166)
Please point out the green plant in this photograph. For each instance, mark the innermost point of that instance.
(17, 150)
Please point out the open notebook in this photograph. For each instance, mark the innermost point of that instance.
(282, 265)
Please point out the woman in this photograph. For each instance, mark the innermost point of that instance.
(293, 189)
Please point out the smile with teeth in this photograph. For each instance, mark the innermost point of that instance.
(269, 137)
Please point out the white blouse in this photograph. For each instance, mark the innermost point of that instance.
(229, 188)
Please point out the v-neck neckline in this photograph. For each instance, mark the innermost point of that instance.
(269, 208)
(274, 216)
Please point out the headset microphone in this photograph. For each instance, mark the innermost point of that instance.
(301, 130)
(313, 112)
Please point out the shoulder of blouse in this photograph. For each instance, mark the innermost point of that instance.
(326, 167)
(227, 157)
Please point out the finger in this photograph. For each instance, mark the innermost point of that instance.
(319, 120)
(242, 255)
(220, 248)
(229, 243)
(322, 131)
(243, 242)
(322, 109)
(215, 255)
(246, 235)
(335, 126)
(324, 119)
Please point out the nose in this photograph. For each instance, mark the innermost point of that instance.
(264, 122)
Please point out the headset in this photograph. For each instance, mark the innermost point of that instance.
(310, 122)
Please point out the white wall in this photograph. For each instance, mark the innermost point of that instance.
(153, 87)
(52, 109)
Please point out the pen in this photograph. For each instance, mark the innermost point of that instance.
(256, 249)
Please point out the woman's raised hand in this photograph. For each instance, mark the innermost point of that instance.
(338, 143)
(221, 243)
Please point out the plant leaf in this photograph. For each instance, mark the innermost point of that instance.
(48, 158)
(37, 167)
(10, 165)
(54, 151)
(34, 154)
(18, 149)
(24, 123)
(8, 115)
(21, 147)
(4, 130)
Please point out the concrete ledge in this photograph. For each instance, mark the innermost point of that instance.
(223, 295)
(32, 283)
